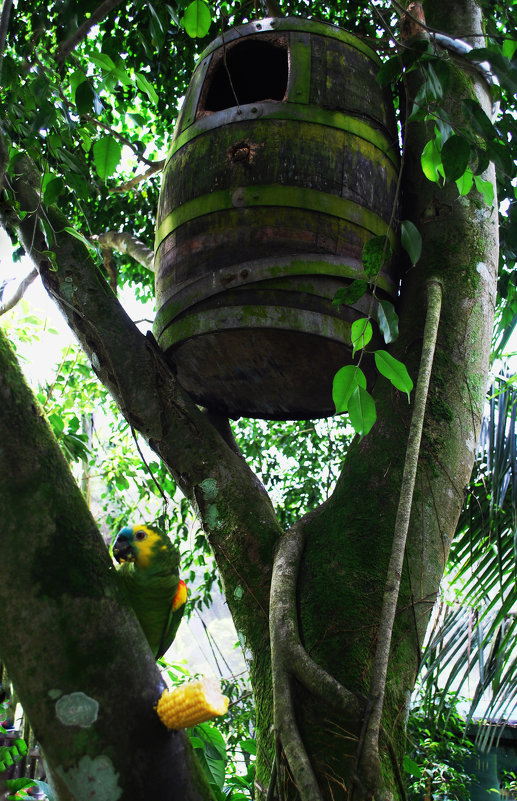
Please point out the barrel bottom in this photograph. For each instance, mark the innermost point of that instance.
(261, 373)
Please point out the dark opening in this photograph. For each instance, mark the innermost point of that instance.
(258, 71)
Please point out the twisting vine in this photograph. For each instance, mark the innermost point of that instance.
(368, 759)
(290, 660)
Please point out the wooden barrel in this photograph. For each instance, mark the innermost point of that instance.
(283, 164)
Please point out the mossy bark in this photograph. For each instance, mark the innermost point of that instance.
(80, 664)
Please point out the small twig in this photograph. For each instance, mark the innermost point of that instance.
(116, 134)
(127, 186)
(20, 292)
(368, 760)
(66, 47)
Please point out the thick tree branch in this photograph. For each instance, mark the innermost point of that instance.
(124, 242)
(79, 661)
(66, 47)
(5, 14)
(127, 186)
(237, 513)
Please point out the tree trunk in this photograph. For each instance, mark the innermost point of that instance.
(80, 664)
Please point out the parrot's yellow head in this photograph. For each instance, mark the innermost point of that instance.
(140, 544)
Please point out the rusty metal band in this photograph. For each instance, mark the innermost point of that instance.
(279, 274)
(288, 24)
(277, 317)
(295, 112)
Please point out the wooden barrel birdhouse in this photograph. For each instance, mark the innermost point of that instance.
(283, 164)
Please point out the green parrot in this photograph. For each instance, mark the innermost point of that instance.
(149, 574)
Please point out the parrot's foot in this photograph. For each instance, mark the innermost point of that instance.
(191, 704)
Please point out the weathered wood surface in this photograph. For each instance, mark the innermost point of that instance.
(287, 188)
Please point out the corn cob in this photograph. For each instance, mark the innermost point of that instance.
(191, 703)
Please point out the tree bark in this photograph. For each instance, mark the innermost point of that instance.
(79, 661)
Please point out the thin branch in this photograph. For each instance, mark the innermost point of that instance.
(5, 14)
(66, 47)
(127, 186)
(116, 134)
(368, 759)
(128, 244)
(20, 292)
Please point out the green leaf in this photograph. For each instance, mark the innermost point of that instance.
(411, 240)
(249, 745)
(479, 121)
(486, 189)
(348, 295)
(455, 157)
(80, 238)
(213, 755)
(107, 153)
(375, 254)
(52, 187)
(388, 320)
(57, 424)
(465, 183)
(145, 86)
(411, 767)
(394, 371)
(389, 71)
(509, 48)
(361, 411)
(361, 333)
(431, 160)
(345, 381)
(84, 97)
(433, 85)
(197, 19)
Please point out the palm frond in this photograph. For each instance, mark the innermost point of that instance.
(472, 650)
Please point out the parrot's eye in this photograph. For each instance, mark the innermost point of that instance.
(140, 535)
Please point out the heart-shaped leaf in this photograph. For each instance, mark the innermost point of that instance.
(345, 381)
(197, 19)
(361, 411)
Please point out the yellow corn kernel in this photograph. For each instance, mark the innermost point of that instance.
(191, 703)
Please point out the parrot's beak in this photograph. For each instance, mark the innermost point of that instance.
(123, 551)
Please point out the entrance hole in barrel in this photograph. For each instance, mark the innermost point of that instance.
(252, 72)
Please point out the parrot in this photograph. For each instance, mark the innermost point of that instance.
(150, 580)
